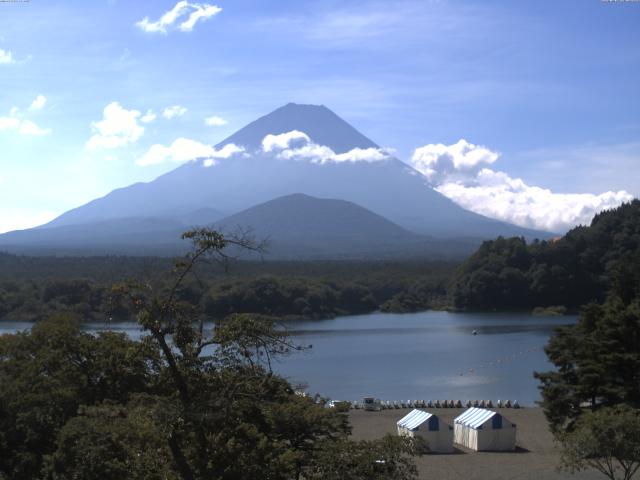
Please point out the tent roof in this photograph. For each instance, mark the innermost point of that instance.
(474, 417)
(414, 419)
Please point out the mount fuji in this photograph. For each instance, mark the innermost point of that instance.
(296, 149)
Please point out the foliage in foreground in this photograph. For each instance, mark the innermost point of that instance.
(592, 399)
(182, 403)
(607, 440)
(597, 360)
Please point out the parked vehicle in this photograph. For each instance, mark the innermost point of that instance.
(372, 404)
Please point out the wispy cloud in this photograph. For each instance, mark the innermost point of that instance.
(119, 127)
(215, 121)
(584, 167)
(174, 111)
(460, 172)
(183, 17)
(148, 117)
(185, 150)
(360, 26)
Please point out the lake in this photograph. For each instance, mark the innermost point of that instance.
(427, 355)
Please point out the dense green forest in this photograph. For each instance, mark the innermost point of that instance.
(570, 271)
(32, 288)
(166, 407)
(592, 396)
(504, 274)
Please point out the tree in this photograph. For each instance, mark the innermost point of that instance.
(597, 361)
(48, 373)
(607, 440)
(192, 400)
(112, 442)
(226, 414)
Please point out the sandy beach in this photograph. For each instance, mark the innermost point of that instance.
(535, 458)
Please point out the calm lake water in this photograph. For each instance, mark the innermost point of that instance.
(427, 355)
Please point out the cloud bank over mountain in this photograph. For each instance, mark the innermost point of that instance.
(186, 150)
(460, 172)
(297, 145)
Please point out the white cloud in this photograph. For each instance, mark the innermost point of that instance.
(174, 111)
(15, 123)
(201, 12)
(439, 162)
(9, 123)
(193, 12)
(118, 127)
(27, 127)
(296, 145)
(283, 140)
(459, 172)
(362, 155)
(185, 150)
(148, 117)
(38, 103)
(215, 121)
(6, 57)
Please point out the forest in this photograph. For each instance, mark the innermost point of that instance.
(557, 276)
(571, 271)
(180, 403)
(32, 288)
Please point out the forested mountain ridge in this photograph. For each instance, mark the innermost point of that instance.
(508, 273)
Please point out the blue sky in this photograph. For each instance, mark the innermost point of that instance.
(552, 87)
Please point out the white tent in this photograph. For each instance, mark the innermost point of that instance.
(480, 429)
(437, 433)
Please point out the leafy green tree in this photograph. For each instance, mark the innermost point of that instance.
(48, 373)
(111, 442)
(192, 400)
(230, 416)
(597, 360)
(607, 440)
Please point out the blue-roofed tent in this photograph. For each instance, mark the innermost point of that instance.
(438, 434)
(480, 429)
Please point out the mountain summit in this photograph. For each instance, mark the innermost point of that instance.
(322, 125)
(378, 182)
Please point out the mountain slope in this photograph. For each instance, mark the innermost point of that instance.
(389, 188)
(296, 227)
(321, 124)
(300, 225)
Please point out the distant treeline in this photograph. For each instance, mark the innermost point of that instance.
(32, 288)
(571, 271)
(504, 274)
